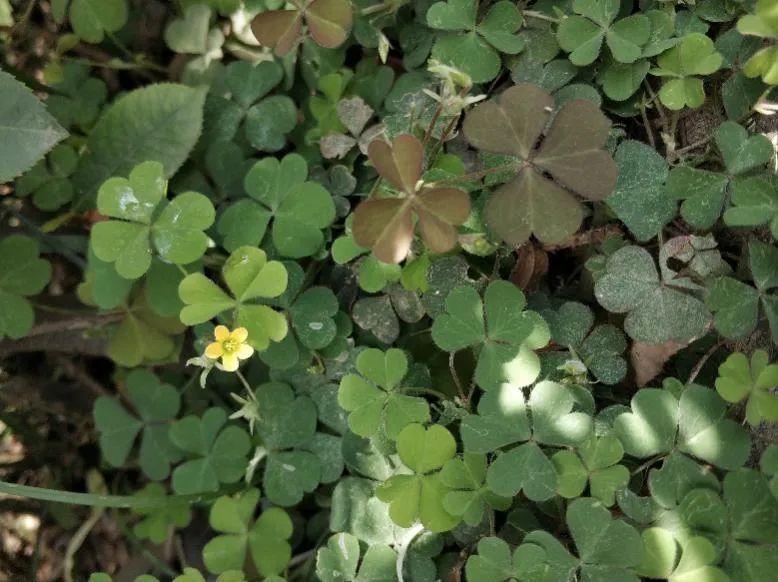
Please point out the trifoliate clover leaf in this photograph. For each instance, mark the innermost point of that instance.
(441, 277)
(419, 496)
(736, 304)
(145, 220)
(244, 100)
(279, 191)
(754, 203)
(684, 63)
(469, 496)
(658, 309)
(495, 562)
(762, 23)
(593, 462)
(22, 274)
(143, 335)
(48, 181)
(640, 199)
(571, 152)
(582, 34)
(219, 452)
(374, 399)
(79, 97)
(93, 19)
(474, 46)
(499, 327)
(695, 424)
(158, 521)
(705, 192)
(340, 561)
(387, 224)
(249, 276)
(738, 379)
(264, 541)
(677, 476)
(600, 348)
(769, 466)
(503, 419)
(328, 23)
(156, 404)
(287, 427)
(608, 549)
(354, 114)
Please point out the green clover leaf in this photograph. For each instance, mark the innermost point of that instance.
(499, 327)
(158, 521)
(640, 199)
(340, 561)
(419, 496)
(156, 404)
(245, 101)
(695, 55)
(374, 398)
(754, 203)
(219, 452)
(143, 335)
(503, 419)
(474, 47)
(93, 19)
(738, 379)
(705, 192)
(48, 180)
(469, 496)
(594, 462)
(678, 475)
(762, 24)
(265, 540)
(769, 466)
(661, 558)
(657, 309)
(249, 276)
(695, 424)
(600, 348)
(299, 209)
(582, 36)
(79, 98)
(22, 274)
(287, 427)
(145, 220)
(494, 562)
(736, 304)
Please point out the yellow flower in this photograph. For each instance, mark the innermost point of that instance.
(230, 346)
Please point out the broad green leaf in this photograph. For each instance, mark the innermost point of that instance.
(27, 130)
(156, 405)
(22, 274)
(158, 122)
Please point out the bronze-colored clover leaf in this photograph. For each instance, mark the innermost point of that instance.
(328, 22)
(386, 224)
(569, 160)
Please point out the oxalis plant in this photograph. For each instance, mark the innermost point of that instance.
(389, 291)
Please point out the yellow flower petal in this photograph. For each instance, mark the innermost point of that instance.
(240, 334)
(221, 333)
(245, 351)
(214, 351)
(230, 362)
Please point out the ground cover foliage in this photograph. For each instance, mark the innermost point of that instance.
(410, 290)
